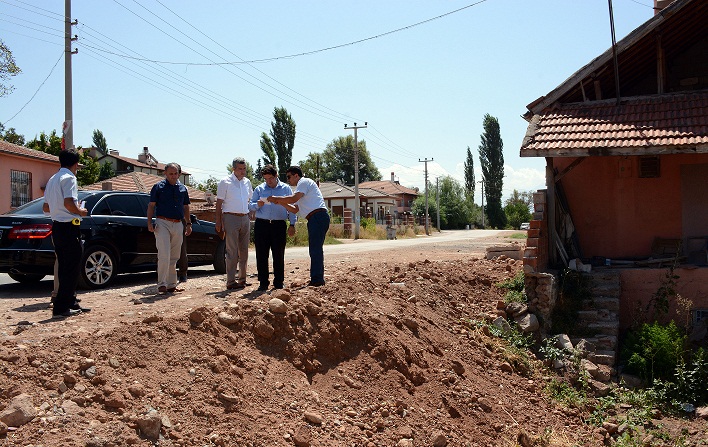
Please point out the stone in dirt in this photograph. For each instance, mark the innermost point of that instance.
(20, 411)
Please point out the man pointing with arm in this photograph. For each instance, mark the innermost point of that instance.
(308, 201)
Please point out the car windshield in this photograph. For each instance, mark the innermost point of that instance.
(34, 207)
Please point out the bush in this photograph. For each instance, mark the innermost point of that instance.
(654, 351)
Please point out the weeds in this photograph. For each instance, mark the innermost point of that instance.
(515, 287)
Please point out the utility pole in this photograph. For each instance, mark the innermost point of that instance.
(68, 126)
(437, 197)
(482, 183)
(427, 230)
(356, 179)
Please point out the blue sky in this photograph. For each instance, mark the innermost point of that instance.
(423, 90)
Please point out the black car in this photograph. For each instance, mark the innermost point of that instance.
(115, 235)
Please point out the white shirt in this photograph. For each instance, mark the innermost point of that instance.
(60, 186)
(312, 198)
(235, 193)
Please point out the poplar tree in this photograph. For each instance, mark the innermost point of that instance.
(491, 159)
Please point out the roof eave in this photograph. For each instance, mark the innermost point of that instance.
(616, 151)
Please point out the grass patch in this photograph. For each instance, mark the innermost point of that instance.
(517, 236)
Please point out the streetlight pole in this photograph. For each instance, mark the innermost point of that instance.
(482, 183)
(356, 179)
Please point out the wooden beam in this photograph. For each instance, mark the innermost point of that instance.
(660, 66)
(569, 168)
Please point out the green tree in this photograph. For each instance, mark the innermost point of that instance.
(88, 169)
(11, 136)
(469, 174)
(338, 162)
(50, 144)
(209, 184)
(455, 210)
(312, 165)
(278, 147)
(106, 171)
(8, 68)
(518, 208)
(491, 158)
(99, 142)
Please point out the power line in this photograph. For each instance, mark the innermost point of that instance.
(38, 88)
(334, 47)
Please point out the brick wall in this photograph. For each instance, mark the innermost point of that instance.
(536, 252)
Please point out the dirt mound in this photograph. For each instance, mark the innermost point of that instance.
(383, 355)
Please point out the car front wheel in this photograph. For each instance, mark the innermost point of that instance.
(26, 278)
(220, 258)
(98, 268)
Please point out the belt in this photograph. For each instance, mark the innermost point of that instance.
(270, 221)
(237, 214)
(168, 219)
(318, 210)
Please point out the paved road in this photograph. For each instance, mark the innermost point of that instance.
(350, 247)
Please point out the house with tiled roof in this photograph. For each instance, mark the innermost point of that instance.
(372, 203)
(145, 163)
(625, 140)
(404, 196)
(24, 173)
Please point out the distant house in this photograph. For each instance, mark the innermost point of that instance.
(372, 203)
(24, 173)
(145, 163)
(627, 164)
(404, 196)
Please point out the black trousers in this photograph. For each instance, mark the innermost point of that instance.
(67, 246)
(270, 236)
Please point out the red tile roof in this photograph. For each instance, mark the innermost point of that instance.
(388, 187)
(140, 182)
(135, 162)
(21, 151)
(643, 125)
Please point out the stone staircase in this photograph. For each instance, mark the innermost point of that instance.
(600, 315)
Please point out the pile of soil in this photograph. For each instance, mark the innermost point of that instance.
(383, 355)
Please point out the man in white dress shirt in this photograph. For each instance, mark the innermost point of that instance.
(232, 197)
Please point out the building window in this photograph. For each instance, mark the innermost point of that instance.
(700, 315)
(649, 167)
(21, 187)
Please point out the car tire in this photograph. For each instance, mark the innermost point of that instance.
(26, 278)
(98, 269)
(220, 258)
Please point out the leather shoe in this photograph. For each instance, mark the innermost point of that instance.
(174, 289)
(316, 283)
(80, 309)
(182, 278)
(235, 286)
(65, 314)
(162, 289)
(263, 288)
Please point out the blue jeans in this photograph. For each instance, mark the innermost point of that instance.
(317, 227)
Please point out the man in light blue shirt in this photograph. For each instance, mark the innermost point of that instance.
(270, 227)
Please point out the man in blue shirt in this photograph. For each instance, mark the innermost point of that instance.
(169, 202)
(269, 229)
